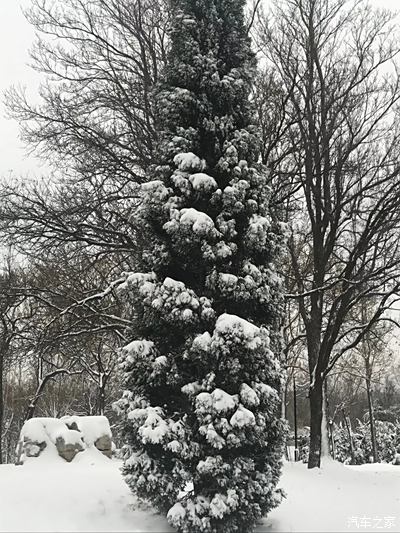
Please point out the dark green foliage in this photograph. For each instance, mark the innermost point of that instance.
(203, 376)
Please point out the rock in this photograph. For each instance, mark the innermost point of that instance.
(107, 453)
(33, 449)
(28, 448)
(69, 435)
(104, 445)
(67, 450)
(72, 425)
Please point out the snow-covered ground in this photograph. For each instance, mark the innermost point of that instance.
(89, 494)
(338, 498)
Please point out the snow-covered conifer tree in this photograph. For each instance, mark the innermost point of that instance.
(202, 426)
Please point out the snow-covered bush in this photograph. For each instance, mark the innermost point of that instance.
(204, 439)
(360, 450)
(343, 451)
(303, 445)
(386, 441)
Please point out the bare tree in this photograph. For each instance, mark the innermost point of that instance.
(99, 361)
(75, 327)
(94, 127)
(94, 124)
(54, 320)
(335, 60)
(100, 60)
(367, 364)
(12, 324)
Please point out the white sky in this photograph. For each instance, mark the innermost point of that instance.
(16, 37)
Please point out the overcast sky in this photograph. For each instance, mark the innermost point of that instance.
(16, 37)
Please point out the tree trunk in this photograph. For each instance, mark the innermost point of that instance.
(350, 433)
(40, 388)
(324, 424)
(1, 405)
(332, 439)
(102, 399)
(315, 397)
(35, 399)
(372, 422)
(296, 446)
(31, 409)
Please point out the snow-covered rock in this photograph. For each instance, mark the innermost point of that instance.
(96, 431)
(67, 437)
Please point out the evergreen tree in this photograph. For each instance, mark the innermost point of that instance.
(202, 426)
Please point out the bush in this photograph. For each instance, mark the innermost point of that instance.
(387, 440)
